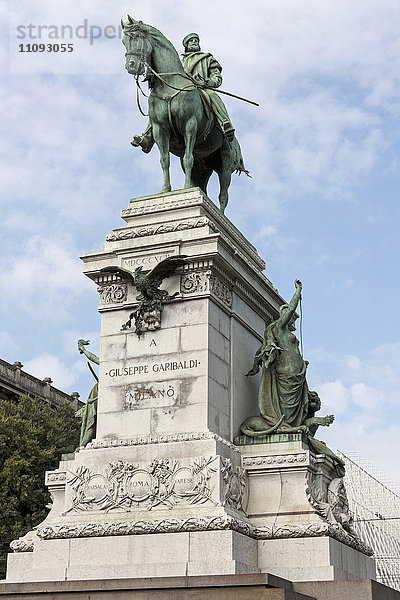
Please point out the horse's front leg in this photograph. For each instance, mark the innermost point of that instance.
(190, 138)
(161, 138)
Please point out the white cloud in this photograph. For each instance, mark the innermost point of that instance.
(44, 260)
(353, 363)
(335, 397)
(267, 231)
(48, 365)
(9, 346)
(366, 400)
(369, 398)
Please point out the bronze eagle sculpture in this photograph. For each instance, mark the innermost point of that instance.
(147, 315)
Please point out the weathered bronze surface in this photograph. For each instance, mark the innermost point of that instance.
(186, 116)
(285, 402)
(88, 412)
(147, 316)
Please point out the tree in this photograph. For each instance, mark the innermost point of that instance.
(33, 435)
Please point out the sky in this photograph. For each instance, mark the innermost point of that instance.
(322, 204)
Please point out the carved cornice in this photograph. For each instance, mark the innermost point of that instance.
(143, 526)
(161, 228)
(312, 530)
(198, 264)
(290, 531)
(220, 224)
(206, 281)
(275, 460)
(210, 264)
(210, 523)
(153, 205)
(218, 281)
(107, 279)
(260, 264)
(207, 275)
(160, 439)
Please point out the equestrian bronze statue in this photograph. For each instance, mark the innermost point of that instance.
(186, 115)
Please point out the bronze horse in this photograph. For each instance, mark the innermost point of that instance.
(180, 122)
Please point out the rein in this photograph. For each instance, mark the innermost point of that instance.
(140, 53)
(167, 99)
(138, 87)
(138, 99)
(185, 75)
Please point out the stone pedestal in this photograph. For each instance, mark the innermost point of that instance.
(297, 507)
(163, 490)
(188, 375)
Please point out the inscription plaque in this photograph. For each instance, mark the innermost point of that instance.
(138, 486)
(96, 488)
(127, 486)
(161, 367)
(184, 481)
(151, 394)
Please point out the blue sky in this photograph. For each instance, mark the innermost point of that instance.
(322, 205)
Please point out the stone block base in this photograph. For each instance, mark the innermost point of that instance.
(313, 559)
(130, 556)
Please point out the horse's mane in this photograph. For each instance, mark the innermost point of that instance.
(154, 33)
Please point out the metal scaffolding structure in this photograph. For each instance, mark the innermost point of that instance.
(374, 501)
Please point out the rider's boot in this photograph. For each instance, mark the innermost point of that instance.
(145, 141)
(229, 131)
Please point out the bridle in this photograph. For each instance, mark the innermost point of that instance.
(141, 54)
(142, 51)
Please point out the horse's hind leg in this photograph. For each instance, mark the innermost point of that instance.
(162, 140)
(224, 170)
(224, 175)
(201, 174)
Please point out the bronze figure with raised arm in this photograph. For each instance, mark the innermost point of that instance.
(285, 402)
(88, 412)
(283, 392)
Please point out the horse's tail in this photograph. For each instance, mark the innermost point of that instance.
(238, 162)
(242, 169)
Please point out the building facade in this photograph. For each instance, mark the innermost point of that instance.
(14, 382)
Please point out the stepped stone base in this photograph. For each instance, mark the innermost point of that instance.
(218, 587)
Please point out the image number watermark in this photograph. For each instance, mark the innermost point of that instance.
(46, 48)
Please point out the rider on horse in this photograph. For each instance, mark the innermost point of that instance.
(206, 71)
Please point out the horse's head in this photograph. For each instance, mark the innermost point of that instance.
(137, 44)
